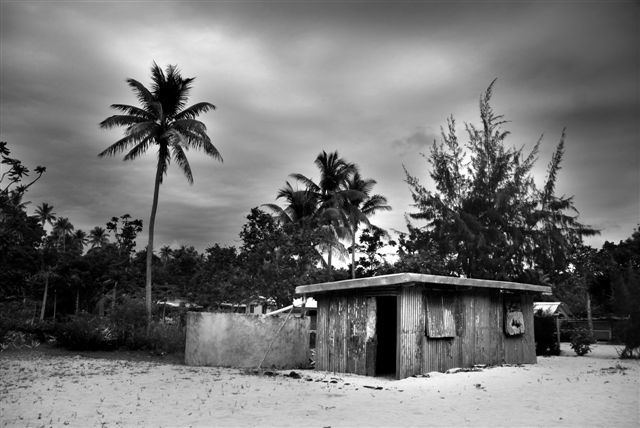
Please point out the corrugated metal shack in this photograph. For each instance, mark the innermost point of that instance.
(406, 324)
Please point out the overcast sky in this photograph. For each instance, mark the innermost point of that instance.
(374, 81)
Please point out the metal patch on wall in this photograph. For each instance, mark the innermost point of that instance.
(513, 319)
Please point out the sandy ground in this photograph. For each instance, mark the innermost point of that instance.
(49, 389)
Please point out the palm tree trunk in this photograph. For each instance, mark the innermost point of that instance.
(589, 315)
(44, 297)
(152, 220)
(55, 303)
(329, 262)
(353, 254)
(77, 300)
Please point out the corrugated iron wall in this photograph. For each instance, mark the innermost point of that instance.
(345, 340)
(479, 331)
(346, 323)
(411, 327)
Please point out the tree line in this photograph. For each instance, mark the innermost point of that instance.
(485, 217)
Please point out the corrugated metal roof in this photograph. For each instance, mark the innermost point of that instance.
(552, 308)
(310, 303)
(400, 279)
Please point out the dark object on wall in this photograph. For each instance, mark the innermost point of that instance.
(513, 318)
(407, 324)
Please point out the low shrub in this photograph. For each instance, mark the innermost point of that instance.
(18, 339)
(166, 338)
(85, 332)
(19, 326)
(129, 323)
(581, 341)
(631, 337)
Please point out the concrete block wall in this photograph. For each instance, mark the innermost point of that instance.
(238, 340)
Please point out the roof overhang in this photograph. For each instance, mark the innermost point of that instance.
(400, 279)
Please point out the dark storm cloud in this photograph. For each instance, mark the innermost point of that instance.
(417, 142)
(374, 81)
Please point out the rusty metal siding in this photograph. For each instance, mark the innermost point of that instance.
(322, 319)
(346, 337)
(346, 334)
(529, 341)
(440, 319)
(480, 337)
(521, 349)
(356, 335)
(411, 329)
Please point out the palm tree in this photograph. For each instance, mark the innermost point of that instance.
(98, 237)
(79, 239)
(302, 205)
(46, 274)
(163, 121)
(332, 194)
(165, 254)
(62, 229)
(360, 207)
(45, 214)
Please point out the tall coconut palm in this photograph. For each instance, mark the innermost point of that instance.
(62, 230)
(98, 237)
(332, 194)
(45, 214)
(164, 122)
(360, 206)
(79, 240)
(302, 205)
(165, 254)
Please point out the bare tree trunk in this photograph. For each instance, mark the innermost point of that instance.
(152, 220)
(113, 299)
(55, 303)
(44, 297)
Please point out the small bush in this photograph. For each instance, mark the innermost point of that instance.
(631, 337)
(129, 322)
(14, 315)
(86, 333)
(166, 338)
(126, 327)
(581, 341)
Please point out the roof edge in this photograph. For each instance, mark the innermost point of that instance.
(418, 278)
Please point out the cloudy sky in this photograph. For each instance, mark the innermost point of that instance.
(374, 81)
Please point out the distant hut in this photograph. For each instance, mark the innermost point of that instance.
(406, 324)
(552, 309)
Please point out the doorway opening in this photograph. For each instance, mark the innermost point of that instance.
(386, 326)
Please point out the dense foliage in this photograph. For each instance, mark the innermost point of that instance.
(486, 218)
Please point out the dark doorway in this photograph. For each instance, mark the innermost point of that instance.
(386, 323)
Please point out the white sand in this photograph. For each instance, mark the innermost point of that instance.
(45, 390)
